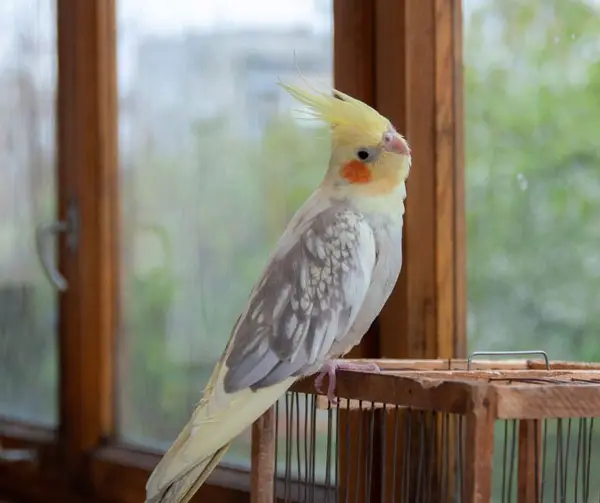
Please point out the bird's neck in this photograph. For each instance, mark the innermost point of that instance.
(390, 204)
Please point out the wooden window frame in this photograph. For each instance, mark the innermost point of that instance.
(402, 56)
(409, 66)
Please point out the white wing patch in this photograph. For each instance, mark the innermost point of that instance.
(307, 298)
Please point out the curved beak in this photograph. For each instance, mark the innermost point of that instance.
(395, 143)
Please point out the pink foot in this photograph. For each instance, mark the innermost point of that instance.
(330, 367)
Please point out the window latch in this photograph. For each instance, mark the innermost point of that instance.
(45, 232)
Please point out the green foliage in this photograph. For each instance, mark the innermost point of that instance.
(532, 184)
(146, 376)
(28, 353)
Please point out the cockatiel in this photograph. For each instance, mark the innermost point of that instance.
(330, 274)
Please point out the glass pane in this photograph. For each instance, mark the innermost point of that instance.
(533, 186)
(28, 304)
(213, 165)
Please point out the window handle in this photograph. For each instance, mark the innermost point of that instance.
(42, 236)
(45, 232)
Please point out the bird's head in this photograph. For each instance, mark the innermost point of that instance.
(368, 157)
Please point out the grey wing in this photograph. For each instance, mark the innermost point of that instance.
(307, 299)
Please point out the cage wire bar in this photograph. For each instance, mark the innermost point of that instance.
(428, 431)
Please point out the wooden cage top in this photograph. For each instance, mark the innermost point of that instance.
(506, 390)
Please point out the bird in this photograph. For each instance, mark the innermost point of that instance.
(327, 279)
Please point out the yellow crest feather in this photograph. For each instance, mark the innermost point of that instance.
(347, 115)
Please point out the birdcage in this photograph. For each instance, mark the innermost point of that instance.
(430, 431)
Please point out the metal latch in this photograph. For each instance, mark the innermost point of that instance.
(535, 352)
(43, 234)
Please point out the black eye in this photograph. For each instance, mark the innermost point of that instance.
(363, 154)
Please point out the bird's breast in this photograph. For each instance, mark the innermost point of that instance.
(388, 237)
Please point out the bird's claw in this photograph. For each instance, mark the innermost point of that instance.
(330, 367)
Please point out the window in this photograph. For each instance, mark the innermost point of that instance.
(28, 303)
(148, 95)
(531, 83)
(211, 170)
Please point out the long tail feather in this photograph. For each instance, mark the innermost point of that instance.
(217, 420)
(185, 487)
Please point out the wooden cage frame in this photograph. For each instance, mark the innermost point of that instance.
(482, 392)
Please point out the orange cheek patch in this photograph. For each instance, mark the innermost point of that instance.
(356, 172)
